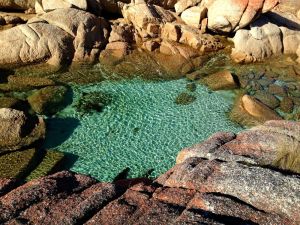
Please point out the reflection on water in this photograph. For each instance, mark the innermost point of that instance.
(141, 129)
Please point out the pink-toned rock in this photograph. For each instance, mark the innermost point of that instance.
(262, 188)
(230, 15)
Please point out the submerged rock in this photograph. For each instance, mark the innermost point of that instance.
(93, 102)
(18, 130)
(222, 80)
(48, 100)
(185, 99)
(249, 111)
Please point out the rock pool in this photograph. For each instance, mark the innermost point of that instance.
(141, 131)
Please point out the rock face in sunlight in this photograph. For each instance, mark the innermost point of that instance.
(231, 15)
(263, 40)
(223, 179)
(55, 37)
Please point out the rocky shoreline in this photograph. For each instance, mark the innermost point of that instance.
(228, 179)
(67, 31)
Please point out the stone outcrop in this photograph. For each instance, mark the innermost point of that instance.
(266, 144)
(223, 16)
(59, 37)
(231, 15)
(17, 4)
(219, 181)
(18, 130)
(276, 33)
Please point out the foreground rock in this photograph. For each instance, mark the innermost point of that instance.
(219, 181)
(18, 130)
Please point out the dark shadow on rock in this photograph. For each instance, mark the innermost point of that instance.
(59, 130)
(122, 175)
(282, 21)
(68, 98)
(4, 73)
(66, 163)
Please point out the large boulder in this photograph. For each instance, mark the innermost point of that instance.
(48, 100)
(225, 16)
(90, 33)
(35, 42)
(57, 37)
(17, 4)
(18, 130)
(264, 39)
(194, 15)
(144, 16)
(261, 41)
(275, 143)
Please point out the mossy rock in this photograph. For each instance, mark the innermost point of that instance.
(50, 160)
(29, 82)
(16, 164)
(93, 102)
(48, 100)
(185, 99)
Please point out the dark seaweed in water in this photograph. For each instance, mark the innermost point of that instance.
(185, 98)
(92, 102)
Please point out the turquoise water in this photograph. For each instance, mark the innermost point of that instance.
(142, 129)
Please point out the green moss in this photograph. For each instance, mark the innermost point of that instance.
(16, 164)
(48, 163)
(185, 99)
(48, 100)
(92, 102)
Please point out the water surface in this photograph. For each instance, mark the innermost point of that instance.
(141, 130)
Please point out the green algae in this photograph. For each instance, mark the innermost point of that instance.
(92, 102)
(185, 98)
(48, 100)
(50, 160)
(16, 164)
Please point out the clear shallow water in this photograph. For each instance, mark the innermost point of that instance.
(142, 129)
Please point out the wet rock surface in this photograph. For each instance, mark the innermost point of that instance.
(223, 180)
